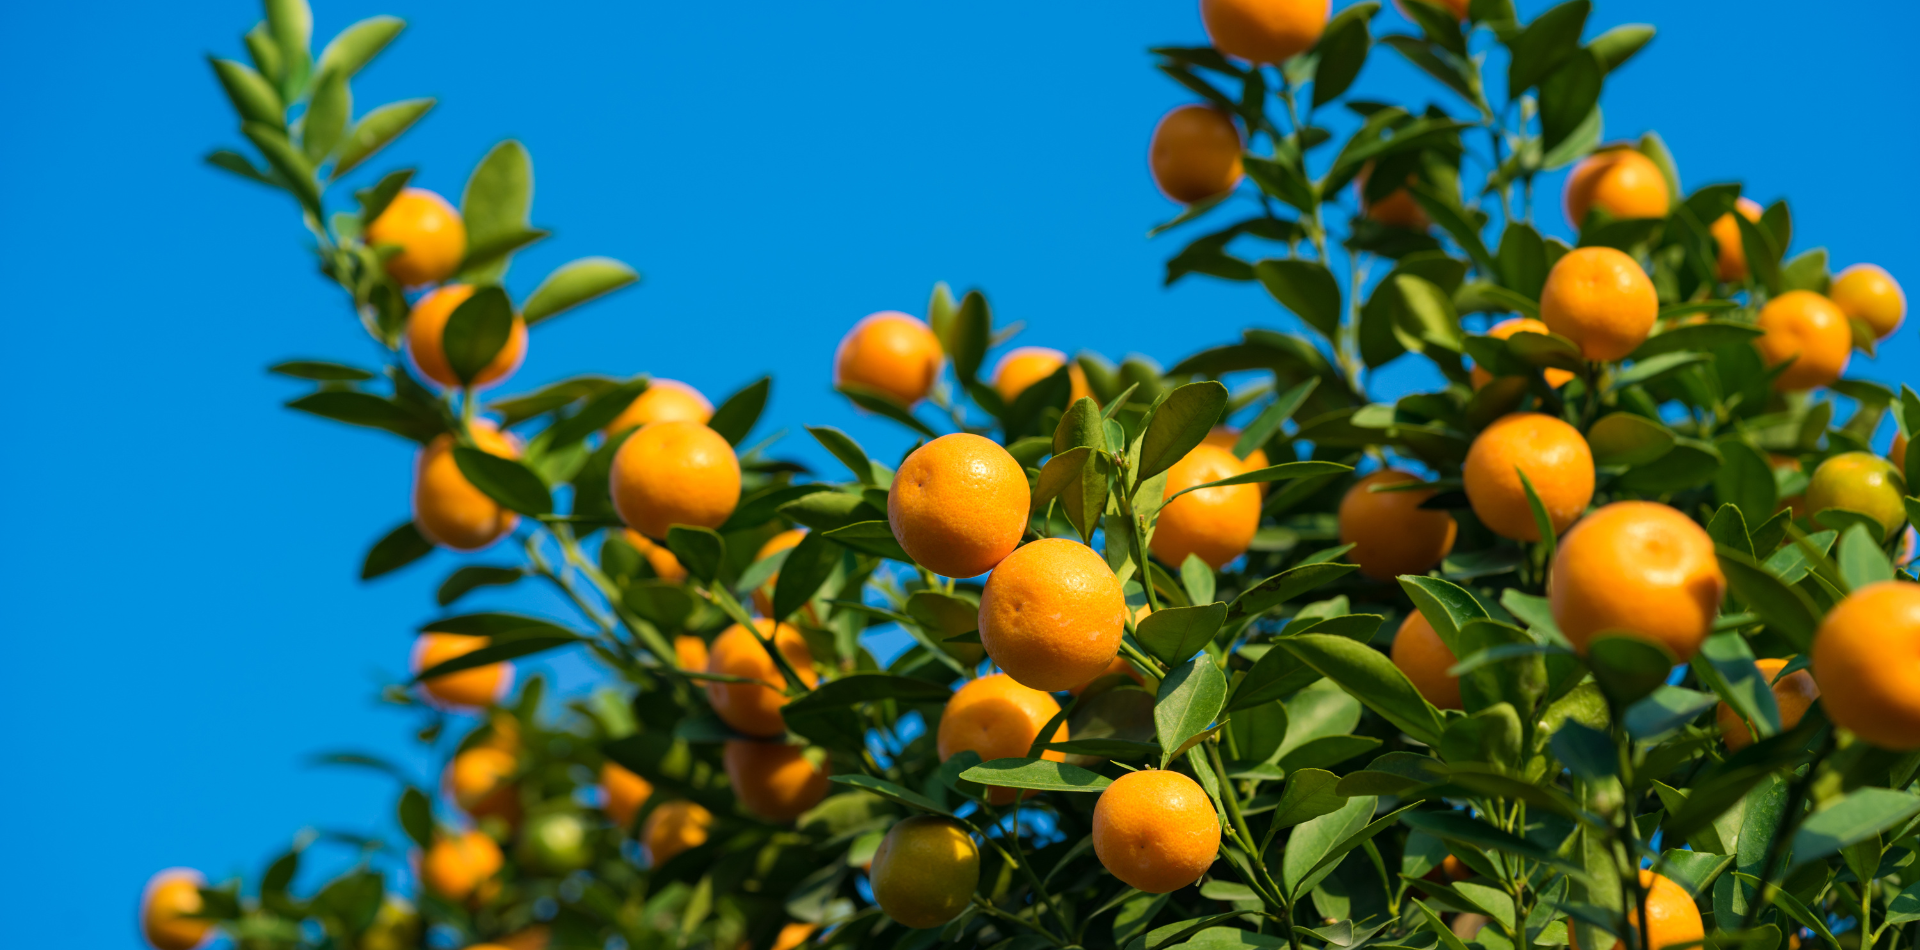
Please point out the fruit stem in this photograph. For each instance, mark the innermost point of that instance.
(997, 913)
(1269, 890)
(1018, 859)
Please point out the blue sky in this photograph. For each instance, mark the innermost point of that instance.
(187, 627)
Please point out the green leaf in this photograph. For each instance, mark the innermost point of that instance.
(808, 566)
(319, 370)
(1285, 471)
(1627, 668)
(461, 582)
(1625, 438)
(231, 161)
(376, 130)
(253, 97)
(890, 791)
(1342, 51)
(1787, 610)
(700, 550)
(326, 118)
(1312, 840)
(1862, 814)
(1542, 522)
(1172, 635)
(1614, 47)
(870, 537)
(416, 817)
(867, 688)
(1711, 335)
(290, 24)
(875, 401)
(1326, 752)
(502, 647)
(1860, 558)
(357, 45)
(293, 168)
(513, 485)
(1665, 709)
(737, 414)
(1283, 180)
(1429, 314)
(1368, 676)
(847, 451)
(476, 332)
(576, 283)
(1271, 418)
(1568, 96)
(1763, 253)
(1307, 289)
(1552, 38)
(1745, 480)
(1283, 587)
(970, 333)
(400, 547)
(496, 204)
(1457, 826)
(1190, 698)
(1308, 795)
(1585, 750)
(1042, 774)
(367, 409)
(1179, 424)
(1447, 606)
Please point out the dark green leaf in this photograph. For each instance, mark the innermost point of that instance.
(1548, 41)
(736, 416)
(466, 579)
(1172, 635)
(510, 646)
(416, 817)
(1042, 774)
(1190, 698)
(476, 332)
(1786, 609)
(1342, 52)
(1283, 587)
(1862, 814)
(318, 370)
(1306, 288)
(400, 547)
(1368, 676)
(576, 283)
(513, 485)
(700, 550)
(1625, 438)
(870, 687)
(808, 566)
(1179, 424)
(888, 790)
(1627, 668)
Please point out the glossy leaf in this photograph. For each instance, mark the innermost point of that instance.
(1368, 676)
(1041, 774)
(1190, 697)
(397, 549)
(576, 283)
(1307, 289)
(1179, 424)
(1172, 635)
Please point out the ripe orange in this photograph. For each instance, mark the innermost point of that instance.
(1052, 614)
(1672, 916)
(775, 781)
(1155, 830)
(1870, 294)
(1601, 300)
(169, 896)
(1264, 31)
(793, 935)
(1195, 154)
(1807, 328)
(763, 595)
(447, 509)
(1620, 181)
(890, 352)
(624, 791)
(671, 473)
(1215, 523)
(1026, 365)
(1866, 658)
(480, 782)
(674, 827)
(1556, 459)
(461, 867)
(998, 718)
(1732, 254)
(1862, 482)
(1120, 665)
(665, 400)
(427, 325)
(1390, 533)
(1637, 568)
(1897, 452)
(1420, 653)
(665, 565)
(471, 689)
(959, 505)
(1397, 209)
(431, 237)
(1504, 330)
(925, 871)
(755, 710)
(689, 652)
(1792, 693)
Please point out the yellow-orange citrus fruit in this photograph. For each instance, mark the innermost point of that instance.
(785, 540)
(1897, 452)
(1420, 653)
(1732, 254)
(396, 926)
(1866, 658)
(471, 688)
(1215, 523)
(925, 871)
(1862, 482)
(1155, 830)
(458, 867)
(666, 400)
(1120, 665)
(755, 710)
(1807, 328)
(1871, 295)
(1052, 614)
(1505, 329)
(479, 780)
(431, 237)
(1557, 461)
(427, 326)
(959, 505)
(1026, 365)
(536, 937)
(447, 509)
(665, 565)
(1195, 154)
(1264, 31)
(890, 352)
(998, 718)
(671, 473)
(1600, 299)
(1397, 209)
(1390, 533)
(1792, 693)
(793, 935)
(777, 782)
(1619, 181)
(624, 791)
(689, 652)
(169, 897)
(1641, 569)
(1672, 916)
(674, 827)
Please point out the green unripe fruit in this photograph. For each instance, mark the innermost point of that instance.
(1862, 482)
(925, 871)
(555, 842)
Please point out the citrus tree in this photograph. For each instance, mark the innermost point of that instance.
(1609, 639)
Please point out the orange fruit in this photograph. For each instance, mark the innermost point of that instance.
(429, 232)
(892, 353)
(1264, 31)
(1398, 209)
(1807, 328)
(959, 505)
(1871, 295)
(689, 652)
(998, 718)
(775, 781)
(1866, 658)
(479, 781)
(763, 596)
(1792, 693)
(1557, 461)
(1215, 523)
(447, 509)
(472, 688)
(169, 897)
(925, 871)
(1120, 666)
(671, 473)
(664, 400)
(1672, 916)
(536, 937)
(1600, 299)
(1052, 614)
(1897, 452)
(1026, 365)
(1195, 154)
(1620, 181)
(1390, 533)
(1155, 830)
(1641, 569)
(665, 565)
(793, 935)
(674, 827)
(624, 790)
(1862, 482)
(1732, 262)
(427, 326)
(461, 867)
(755, 710)
(1420, 653)
(1505, 330)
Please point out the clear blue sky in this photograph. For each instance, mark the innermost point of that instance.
(186, 627)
